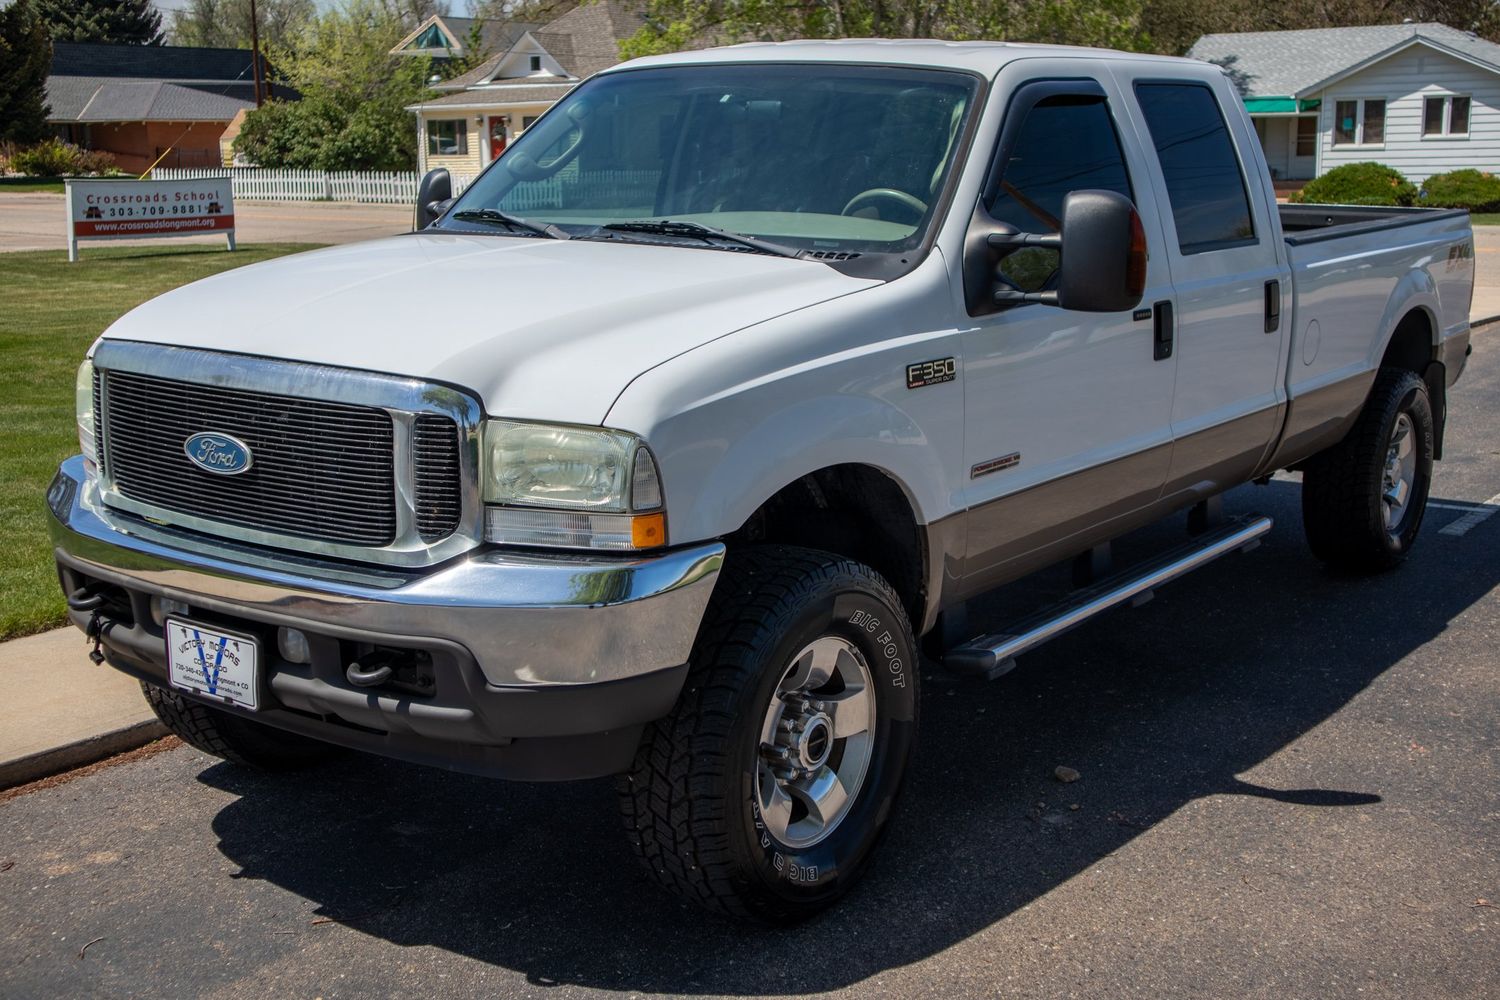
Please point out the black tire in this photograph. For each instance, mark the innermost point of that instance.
(1343, 505)
(236, 740)
(690, 800)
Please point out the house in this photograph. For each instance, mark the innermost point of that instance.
(1422, 98)
(144, 103)
(477, 113)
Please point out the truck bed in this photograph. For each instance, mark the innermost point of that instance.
(1315, 223)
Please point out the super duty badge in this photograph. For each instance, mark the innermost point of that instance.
(924, 373)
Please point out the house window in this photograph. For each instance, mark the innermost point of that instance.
(536, 64)
(432, 38)
(1307, 136)
(1445, 115)
(449, 137)
(1359, 123)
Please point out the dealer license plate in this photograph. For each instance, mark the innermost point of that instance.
(212, 663)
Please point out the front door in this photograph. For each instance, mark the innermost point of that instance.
(1067, 414)
(497, 137)
(1232, 288)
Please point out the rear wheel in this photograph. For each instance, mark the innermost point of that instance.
(237, 740)
(1364, 498)
(765, 791)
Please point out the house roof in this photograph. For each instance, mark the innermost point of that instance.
(130, 83)
(1299, 63)
(495, 34)
(158, 62)
(584, 41)
(489, 97)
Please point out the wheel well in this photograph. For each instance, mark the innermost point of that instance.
(1411, 344)
(854, 511)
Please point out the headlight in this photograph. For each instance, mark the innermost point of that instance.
(570, 487)
(83, 403)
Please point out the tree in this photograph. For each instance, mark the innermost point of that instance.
(111, 22)
(225, 24)
(676, 24)
(25, 59)
(352, 115)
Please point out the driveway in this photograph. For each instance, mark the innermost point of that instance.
(36, 221)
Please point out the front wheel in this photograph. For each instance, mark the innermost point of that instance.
(765, 791)
(1363, 499)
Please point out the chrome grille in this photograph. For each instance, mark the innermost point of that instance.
(98, 418)
(321, 470)
(435, 472)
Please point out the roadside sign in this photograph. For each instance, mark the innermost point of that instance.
(116, 209)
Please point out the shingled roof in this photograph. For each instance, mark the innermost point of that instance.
(133, 83)
(584, 41)
(1299, 63)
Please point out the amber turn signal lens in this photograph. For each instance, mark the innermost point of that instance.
(647, 531)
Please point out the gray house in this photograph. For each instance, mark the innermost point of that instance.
(1423, 98)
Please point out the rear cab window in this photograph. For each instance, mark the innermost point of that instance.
(1204, 178)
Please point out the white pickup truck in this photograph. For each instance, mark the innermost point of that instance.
(653, 452)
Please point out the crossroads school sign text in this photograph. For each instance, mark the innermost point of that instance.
(131, 209)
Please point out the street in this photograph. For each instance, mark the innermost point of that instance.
(1288, 790)
(37, 222)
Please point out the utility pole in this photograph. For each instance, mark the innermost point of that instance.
(255, 49)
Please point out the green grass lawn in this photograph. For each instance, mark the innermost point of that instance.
(1484, 218)
(50, 311)
(24, 184)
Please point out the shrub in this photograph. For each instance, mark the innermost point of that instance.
(1359, 184)
(50, 158)
(1471, 189)
(55, 158)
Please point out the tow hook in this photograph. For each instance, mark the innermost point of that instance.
(373, 669)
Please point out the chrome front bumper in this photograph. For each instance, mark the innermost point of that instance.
(538, 645)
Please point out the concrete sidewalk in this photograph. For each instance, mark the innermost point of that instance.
(59, 711)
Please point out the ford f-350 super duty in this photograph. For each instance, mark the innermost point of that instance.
(654, 451)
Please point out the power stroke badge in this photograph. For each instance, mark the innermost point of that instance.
(936, 372)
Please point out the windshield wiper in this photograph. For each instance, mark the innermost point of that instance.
(513, 221)
(670, 227)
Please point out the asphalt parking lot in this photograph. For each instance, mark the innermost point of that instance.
(1289, 789)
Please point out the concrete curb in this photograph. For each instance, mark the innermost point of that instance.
(78, 753)
(1475, 324)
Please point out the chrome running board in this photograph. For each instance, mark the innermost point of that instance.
(992, 655)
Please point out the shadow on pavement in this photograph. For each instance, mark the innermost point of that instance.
(1156, 707)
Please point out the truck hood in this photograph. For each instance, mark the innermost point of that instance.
(540, 329)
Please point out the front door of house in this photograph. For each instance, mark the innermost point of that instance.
(497, 137)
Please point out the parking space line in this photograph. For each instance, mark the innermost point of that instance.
(1476, 516)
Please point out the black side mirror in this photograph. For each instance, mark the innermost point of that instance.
(1102, 251)
(434, 195)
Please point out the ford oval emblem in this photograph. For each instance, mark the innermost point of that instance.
(221, 454)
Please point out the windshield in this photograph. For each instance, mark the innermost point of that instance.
(814, 157)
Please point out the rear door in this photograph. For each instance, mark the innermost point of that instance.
(1228, 270)
(1068, 414)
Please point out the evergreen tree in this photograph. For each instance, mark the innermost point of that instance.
(25, 59)
(111, 22)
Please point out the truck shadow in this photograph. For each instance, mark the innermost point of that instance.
(1157, 708)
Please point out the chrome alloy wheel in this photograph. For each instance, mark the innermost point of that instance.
(816, 742)
(1400, 477)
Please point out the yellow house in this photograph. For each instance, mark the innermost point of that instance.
(478, 113)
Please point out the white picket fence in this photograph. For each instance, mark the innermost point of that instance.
(370, 186)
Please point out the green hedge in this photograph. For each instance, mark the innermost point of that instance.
(1359, 184)
(1471, 189)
